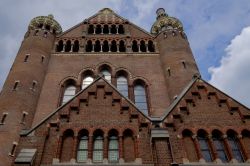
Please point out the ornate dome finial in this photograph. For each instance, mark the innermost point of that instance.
(43, 21)
(164, 22)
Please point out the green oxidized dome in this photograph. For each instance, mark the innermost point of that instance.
(45, 21)
(163, 22)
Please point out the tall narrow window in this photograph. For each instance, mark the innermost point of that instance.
(121, 29)
(91, 29)
(235, 147)
(97, 46)
(135, 46)
(151, 47)
(122, 47)
(143, 46)
(140, 98)
(106, 29)
(76, 46)
(89, 46)
(59, 46)
(98, 149)
(15, 85)
(3, 118)
(13, 149)
(219, 146)
(82, 152)
(24, 117)
(113, 149)
(87, 81)
(105, 47)
(68, 46)
(26, 58)
(204, 146)
(68, 93)
(106, 74)
(33, 85)
(42, 59)
(122, 85)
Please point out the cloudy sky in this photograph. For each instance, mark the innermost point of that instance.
(218, 32)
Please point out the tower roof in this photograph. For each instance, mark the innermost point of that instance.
(163, 22)
(45, 20)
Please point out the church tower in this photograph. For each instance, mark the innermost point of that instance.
(176, 56)
(21, 91)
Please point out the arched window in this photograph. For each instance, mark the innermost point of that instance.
(122, 85)
(87, 80)
(135, 46)
(98, 29)
(189, 145)
(219, 146)
(113, 46)
(89, 46)
(122, 47)
(105, 29)
(120, 29)
(68, 46)
(105, 47)
(113, 29)
(76, 46)
(67, 142)
(82, 151)
(107, 74)
(128, 146)
(151, 47)
(91, 29)
(140, 97)
(203, 141)
(69, 92)
(143, 46)
(113, 147)
(98, 146)
(97, 46)
(59, 47)
(234, 145)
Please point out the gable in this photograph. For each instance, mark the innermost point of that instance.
(97, 102)
(205, 106)
(105, 16)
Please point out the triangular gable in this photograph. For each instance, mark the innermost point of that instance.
(105, 15)
(192, 90)
(25, 132)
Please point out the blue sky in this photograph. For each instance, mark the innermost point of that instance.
(211, 27)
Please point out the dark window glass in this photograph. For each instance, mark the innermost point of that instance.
(218, 143)
(205, 149)
(235, 148)
(140, 98)
(122, 85)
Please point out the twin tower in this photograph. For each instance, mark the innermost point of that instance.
(47, 57)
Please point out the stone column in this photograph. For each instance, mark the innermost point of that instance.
(90, 147)
(59, 147)
(105, 148)
(197, 147)
(71, 48)
(213, 148)
(93, 48)
(229, 150)
(101, 47)
(244, 151)
(117, 29)
(75, 148)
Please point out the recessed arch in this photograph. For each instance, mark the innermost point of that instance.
(89, 46)
(202, 137)
(76, 46)
(97, 46)
(122, 82)
(68, 46)
(67, 142)
(59, 46)
(113, 46)
(135, 46)
(106, 71)
(143, 46)
(122, 47)
(87, 78)
(189, 145)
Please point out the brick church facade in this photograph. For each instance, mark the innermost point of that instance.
(107, 92)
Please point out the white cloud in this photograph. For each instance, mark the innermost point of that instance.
(233, 74)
